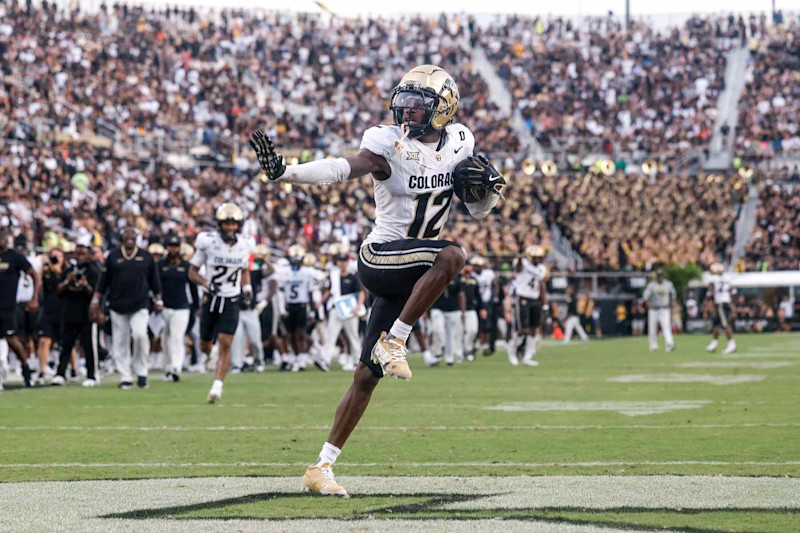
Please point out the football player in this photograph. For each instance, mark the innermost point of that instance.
(401, 262)
(530, 300)
(474, 309)
(225, 254)
(249, 328)
(298, 284)
(345, 305)
(720, 284)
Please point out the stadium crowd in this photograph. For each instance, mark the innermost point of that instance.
(620, 222)
(775, 239)
(317, 82)
(595, 88)
(769, 105)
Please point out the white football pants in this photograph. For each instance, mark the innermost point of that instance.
(573, 323)
(470, 331)
(172, 337)
(123, 327)
(656, 318)
(248, 328)
(335, 326)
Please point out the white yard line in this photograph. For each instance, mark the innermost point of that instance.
(404, 428)
(410, 465)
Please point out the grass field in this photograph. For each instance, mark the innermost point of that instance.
(601, 435)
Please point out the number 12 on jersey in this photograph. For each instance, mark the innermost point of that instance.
(433, 227)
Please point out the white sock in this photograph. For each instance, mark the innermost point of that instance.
(217, 384)
(329, 454)
(530, 347)
(400, 330)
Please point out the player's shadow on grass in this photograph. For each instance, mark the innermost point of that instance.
(431, 509)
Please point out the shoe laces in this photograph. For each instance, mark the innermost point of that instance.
(395, 350)
(327, 473)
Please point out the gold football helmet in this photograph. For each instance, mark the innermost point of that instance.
(187, 251)
(309, 260)
(534, 252)
(261, 251)
(717, 268)
(229, 212)
(296, 253)
(156, 249)
(430, 88)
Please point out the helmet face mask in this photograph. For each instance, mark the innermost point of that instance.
(426, 88)
(226, 216)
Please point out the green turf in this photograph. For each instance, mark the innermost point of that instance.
(440, 414)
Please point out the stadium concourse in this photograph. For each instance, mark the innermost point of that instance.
(132, 118)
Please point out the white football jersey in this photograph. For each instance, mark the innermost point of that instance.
(485, 282)
(721, 284)
(413, 203)
(528, 281)
(223, 263)
(25, 283)
(299, 284)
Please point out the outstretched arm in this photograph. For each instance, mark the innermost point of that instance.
(320, 172)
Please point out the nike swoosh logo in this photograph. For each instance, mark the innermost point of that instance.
(494, 178)
(457, 149)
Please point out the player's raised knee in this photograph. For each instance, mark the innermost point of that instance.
(452, 259)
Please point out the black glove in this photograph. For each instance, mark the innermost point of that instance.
(247, 300)
(474, 177)
(271, 163)
(212, 289)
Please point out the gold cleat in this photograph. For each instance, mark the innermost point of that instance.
(319, 479)
(390, 354)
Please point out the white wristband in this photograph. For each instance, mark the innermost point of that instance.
(247, 288)
(319, 172)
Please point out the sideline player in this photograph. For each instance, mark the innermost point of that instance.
(226, 257)
(659, 296)
(720, 284)
(530, 299)
(12, 265)
(401, 262)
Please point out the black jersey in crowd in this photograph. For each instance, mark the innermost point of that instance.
(129, 281)
(174, 278)
(51, 303)
(448, 301)
(349, 284)
(12, 264)
(472, 293)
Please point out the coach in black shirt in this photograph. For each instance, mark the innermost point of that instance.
(129, 275)
(12, 263)
(174, 274)
(78, 280)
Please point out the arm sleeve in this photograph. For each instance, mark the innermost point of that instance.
(646, 293)
(322, 172)
(199, 257)
(193, 292)
(105, 276)
(153, 278)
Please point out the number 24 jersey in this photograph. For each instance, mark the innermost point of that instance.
(223, 262)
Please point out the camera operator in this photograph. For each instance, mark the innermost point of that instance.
(49, 329)
(77, 283)
(129, 275)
